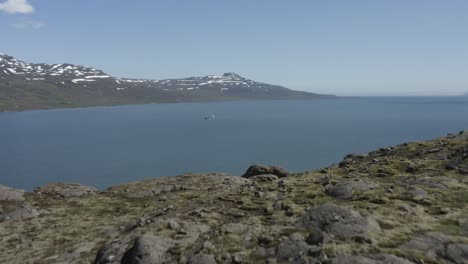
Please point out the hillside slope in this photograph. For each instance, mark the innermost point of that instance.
(38, 85)
(403, 204)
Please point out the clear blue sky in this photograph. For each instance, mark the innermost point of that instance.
(393, 47)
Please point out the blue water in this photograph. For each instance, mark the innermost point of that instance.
(104, 146)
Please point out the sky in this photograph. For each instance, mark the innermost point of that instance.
(359, 47)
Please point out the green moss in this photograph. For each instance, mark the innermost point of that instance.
(291, 230)
(394, 241)
(456, 198)
(449, 227)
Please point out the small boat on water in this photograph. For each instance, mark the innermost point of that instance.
(209, 117)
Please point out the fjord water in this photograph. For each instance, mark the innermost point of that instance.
(104, 146)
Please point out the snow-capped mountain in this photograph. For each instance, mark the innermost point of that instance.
(60, 85)
(12, 66)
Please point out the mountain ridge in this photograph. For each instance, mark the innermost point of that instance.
(26, 85)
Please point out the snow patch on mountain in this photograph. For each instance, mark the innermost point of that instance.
(66, 74)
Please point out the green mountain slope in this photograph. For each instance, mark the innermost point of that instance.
(40, 86)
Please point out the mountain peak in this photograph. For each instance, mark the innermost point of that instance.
(232, 75)
(76, 82)
(6, 57)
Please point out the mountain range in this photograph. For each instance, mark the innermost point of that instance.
(26, 85)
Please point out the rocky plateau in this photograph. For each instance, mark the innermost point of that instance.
(399, 205)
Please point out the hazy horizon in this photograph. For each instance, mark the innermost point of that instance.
(396, 48)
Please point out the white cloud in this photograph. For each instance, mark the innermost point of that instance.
(28, 24)
(16, 6)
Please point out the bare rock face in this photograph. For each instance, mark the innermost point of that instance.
(202, 259)
(437, 182)
(377, 259)
(416, 192)
(293, 249)
(24, 211)
(10, 194)
(66, 190)
(148, 249)
(258, 169)
(344, 190)
(112, 252)
(438, 247)
(341, 222)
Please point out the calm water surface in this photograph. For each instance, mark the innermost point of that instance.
(104, 146)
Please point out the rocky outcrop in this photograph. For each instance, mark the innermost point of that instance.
(375, 259)
(293, 249)
(264, 177)
(164, 188)
(342, 223)
(66, 190)
(113, 252)
(10, 194)
(148, 249)
(438, 248)
(24, 211)
(344, 190)
(395, 205)
(350, 159)
(202, 259)
(258, 169)
(436, 182)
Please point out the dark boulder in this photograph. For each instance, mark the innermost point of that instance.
(257, 169)
(351, 159)
(383, 172)
(115, 251)
(147, 249)
(315, 237)
(463, 170)
(292, 249)
(411, 168)
(264, 178)
(345, 163)
(357, 156)
(452, 164)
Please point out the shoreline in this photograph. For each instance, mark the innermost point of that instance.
(391, 205)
